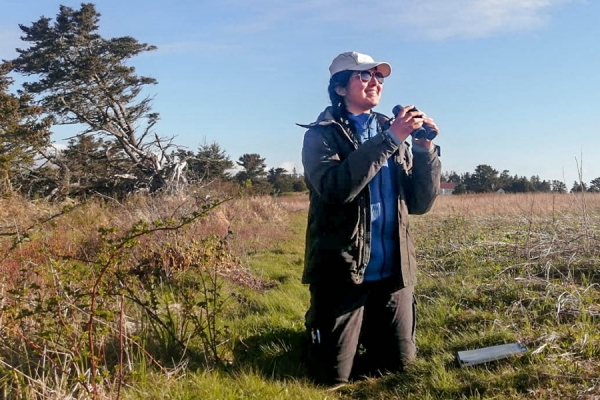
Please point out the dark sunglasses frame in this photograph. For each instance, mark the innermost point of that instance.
(366, 76)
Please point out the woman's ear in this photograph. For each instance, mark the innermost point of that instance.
(340, 91)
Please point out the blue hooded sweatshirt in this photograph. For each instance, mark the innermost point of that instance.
(385, 257)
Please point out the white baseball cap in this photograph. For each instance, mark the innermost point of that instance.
(353, 61)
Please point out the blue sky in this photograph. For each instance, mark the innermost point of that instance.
(511, 83)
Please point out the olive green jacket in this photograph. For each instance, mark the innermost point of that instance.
(337, 172)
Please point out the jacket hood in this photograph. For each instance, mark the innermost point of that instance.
(326, 118)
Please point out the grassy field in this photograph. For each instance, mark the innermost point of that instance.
(494, 269)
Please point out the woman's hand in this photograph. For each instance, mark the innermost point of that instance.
(406, 122)
(426, 142)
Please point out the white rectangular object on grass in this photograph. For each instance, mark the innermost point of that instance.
(473, 357)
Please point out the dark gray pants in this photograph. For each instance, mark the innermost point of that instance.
(379, 315)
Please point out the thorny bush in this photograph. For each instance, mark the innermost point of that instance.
(79, 325)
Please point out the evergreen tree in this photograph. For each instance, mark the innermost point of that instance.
(85, 79)
(461, 185)
(485, 179)
(578, 187)
(254, 168)
(299, 184)
(280, 180)
(521, 185)
(460, 188)
(22, 134)
(594, 185)
(539, 185)
(504, 180)
(89, 165)
(558, 186)
(210, 162)
(451, 177)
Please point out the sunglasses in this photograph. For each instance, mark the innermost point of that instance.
(366, 76)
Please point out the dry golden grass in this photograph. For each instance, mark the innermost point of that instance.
(518, 204)
(257, 222)
(72, 229)
(488, 204)
(34, 233)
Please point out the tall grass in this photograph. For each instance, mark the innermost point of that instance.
(93, 294)
(494, 269)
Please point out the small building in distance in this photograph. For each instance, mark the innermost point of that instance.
(447, 187)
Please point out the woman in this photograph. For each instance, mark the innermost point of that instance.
(364, 180)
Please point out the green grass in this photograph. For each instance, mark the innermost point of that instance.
(482, 282)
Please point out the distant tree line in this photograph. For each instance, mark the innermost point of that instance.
(211, 163)
(486, 179)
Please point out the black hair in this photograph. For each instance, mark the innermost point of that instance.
(340, 113)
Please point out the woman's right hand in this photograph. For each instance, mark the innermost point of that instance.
(406, 122)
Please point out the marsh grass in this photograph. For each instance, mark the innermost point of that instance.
(494, 269)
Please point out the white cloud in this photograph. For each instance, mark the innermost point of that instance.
(441, 19)
(425, 19)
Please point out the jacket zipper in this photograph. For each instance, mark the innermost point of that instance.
(365, 254)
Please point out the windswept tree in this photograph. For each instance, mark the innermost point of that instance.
(84, 79)
(93, 166)
(22, 133)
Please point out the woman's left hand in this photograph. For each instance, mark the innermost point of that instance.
(426, 142)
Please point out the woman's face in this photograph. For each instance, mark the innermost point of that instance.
(360, 97)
